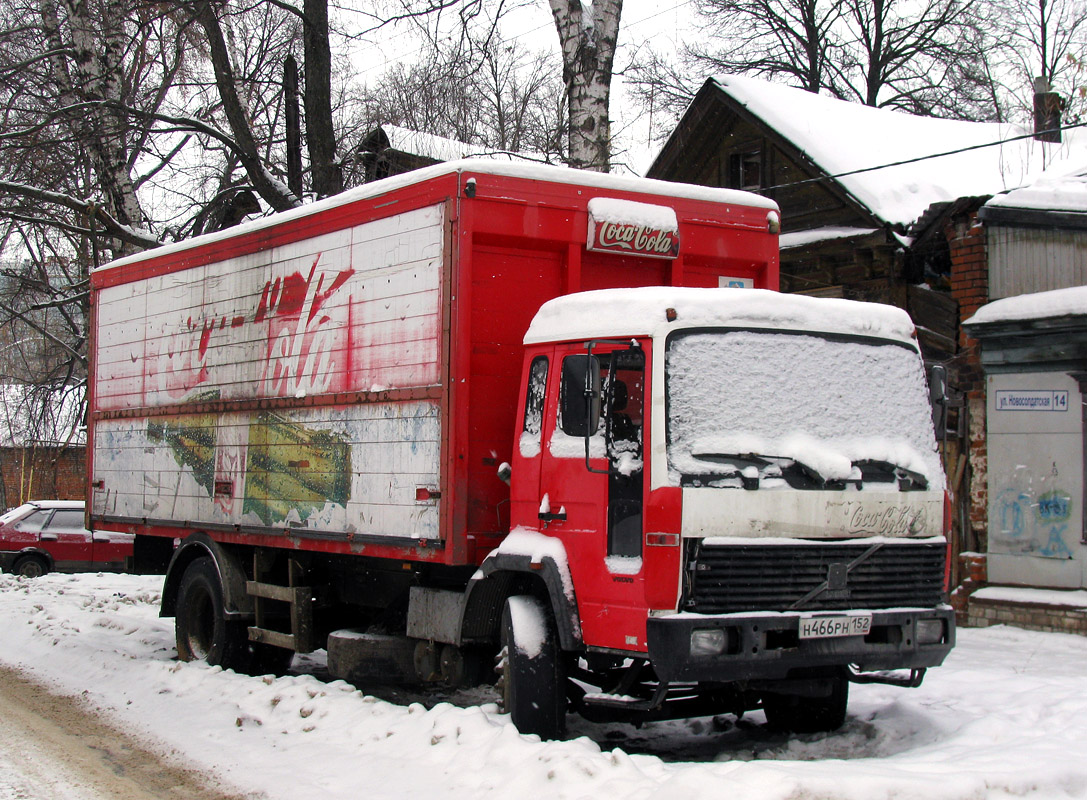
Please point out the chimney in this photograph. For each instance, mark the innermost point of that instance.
(1048, 106)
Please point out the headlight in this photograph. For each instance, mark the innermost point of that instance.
(930, 631)
(708, 642)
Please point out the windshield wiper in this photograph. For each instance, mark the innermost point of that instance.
(796, 473)
(741, 464)
(879, 471)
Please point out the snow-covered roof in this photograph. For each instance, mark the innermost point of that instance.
(441, 149)
(840, 137)
(537, 172)
(1058, 189)
(801, 238)
(614, 313)
(1038, 305)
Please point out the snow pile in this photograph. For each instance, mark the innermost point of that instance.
(440, 148)
(1050, 597)
(1038, 305)
(1005, 717)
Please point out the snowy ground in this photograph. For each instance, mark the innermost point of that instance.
(1005, 717)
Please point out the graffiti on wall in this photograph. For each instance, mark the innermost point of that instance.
(304, 331)
(1031, 515)
(277, 469)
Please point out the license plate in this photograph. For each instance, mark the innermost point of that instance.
(829, 627)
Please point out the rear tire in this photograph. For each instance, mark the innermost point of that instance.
(202, 631)
(533, 681)
(802, 714)
(31, 567)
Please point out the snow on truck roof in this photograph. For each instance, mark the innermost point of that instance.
(619, 313)
(537, 172)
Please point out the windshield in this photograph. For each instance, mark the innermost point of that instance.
(757, 409)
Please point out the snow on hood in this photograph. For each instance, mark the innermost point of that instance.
(1038, 305)
(840, 137)
(641, 312)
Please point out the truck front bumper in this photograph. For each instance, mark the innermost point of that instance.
(768, 645)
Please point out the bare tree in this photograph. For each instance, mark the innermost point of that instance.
(909, 55)
(926, 57)
(501, 98)
(1046, 39)
(795, 40)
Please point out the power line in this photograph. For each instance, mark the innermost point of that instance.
(958, 151)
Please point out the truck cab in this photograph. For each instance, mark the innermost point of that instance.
(741, 492)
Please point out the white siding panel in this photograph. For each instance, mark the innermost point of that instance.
(351, 469)
(292, 321)
(353, 310)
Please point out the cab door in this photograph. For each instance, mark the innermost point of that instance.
(592, 484)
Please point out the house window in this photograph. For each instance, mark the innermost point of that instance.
(745, 170)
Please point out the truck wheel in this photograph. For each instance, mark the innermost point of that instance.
(202, 632)
(31, 567)
(532, 682)
(801, 714)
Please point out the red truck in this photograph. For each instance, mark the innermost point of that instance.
(490, 412)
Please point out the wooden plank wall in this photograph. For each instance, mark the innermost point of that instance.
(1025, 260)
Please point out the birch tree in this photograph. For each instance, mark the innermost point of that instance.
(587, 38)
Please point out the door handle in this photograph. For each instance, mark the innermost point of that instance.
(48, 537)
(557, 516)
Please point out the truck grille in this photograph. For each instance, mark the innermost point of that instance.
(727, 579)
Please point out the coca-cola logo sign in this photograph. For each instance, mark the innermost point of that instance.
(633, 239)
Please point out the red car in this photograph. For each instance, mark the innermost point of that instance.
(48, 535)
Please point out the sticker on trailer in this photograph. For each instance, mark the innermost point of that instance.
(1031, 400)
(725, 282)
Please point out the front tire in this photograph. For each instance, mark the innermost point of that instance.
(202, 630)
(533, 681)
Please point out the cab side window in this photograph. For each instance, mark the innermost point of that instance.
(534, 407)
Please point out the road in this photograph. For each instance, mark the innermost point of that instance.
(58, 748)
(1006, 716)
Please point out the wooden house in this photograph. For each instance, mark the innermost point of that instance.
(852, 182)
(876, 205)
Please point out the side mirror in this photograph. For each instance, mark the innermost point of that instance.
(579, 399)
(937, 383)
(937, 395)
